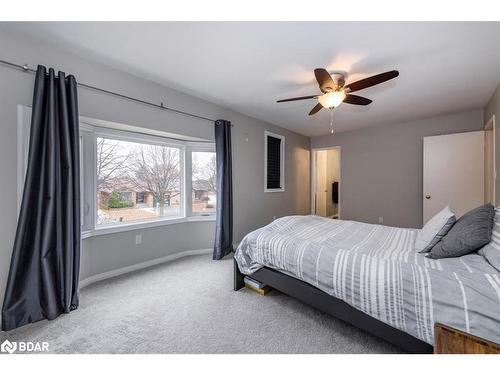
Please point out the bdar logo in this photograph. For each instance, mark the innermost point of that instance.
(24, 347)
(8, 347)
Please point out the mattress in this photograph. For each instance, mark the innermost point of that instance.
(376, 269)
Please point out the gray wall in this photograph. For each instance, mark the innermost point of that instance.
(381, 167)
(493, 108)
(252, 207)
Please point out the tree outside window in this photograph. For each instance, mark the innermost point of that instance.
(204, 183)
(127, 171)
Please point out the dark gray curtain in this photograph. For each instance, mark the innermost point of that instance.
(224, 220)
(44, 269)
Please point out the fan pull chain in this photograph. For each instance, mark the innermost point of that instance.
(331, 121)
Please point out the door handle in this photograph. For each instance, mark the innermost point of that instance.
(428, 196)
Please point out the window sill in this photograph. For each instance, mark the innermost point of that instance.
(150, 224)
(280, 190)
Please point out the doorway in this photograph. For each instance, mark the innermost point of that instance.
(325, 181)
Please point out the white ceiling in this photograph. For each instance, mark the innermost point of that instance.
(444, 67)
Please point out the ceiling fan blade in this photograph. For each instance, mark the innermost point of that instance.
(324, 79)
(298, 98)
(357, 100)
(316, 109)
(371, 81)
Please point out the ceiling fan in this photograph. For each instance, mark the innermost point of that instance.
(335, 91)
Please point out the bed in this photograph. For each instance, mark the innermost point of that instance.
(371, 276)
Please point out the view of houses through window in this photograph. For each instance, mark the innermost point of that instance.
(136, 181)
(203, 182)
(140, 181)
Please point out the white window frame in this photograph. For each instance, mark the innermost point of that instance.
(90, 129)
(23, 137)
(282, 162)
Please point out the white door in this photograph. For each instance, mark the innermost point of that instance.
(453, 173)
(321, 188)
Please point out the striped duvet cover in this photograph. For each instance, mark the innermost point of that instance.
(375, 269)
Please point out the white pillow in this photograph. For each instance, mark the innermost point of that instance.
(435, 229)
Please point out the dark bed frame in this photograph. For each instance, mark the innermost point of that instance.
(335, 307)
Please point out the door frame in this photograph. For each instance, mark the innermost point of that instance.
(490, 125)
(313, 177)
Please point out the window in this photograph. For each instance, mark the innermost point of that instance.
(140, 197)
(129, 173)
(133, 180)
(274, 162)
(203, 183)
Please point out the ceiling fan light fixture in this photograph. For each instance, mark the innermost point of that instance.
(332, 99)
(334, 91)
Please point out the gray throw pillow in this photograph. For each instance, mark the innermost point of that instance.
(471, 232)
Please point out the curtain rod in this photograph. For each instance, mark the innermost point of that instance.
(27, 69)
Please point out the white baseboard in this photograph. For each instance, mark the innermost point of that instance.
(138, 266)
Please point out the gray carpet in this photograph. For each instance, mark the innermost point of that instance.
(188, 306)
